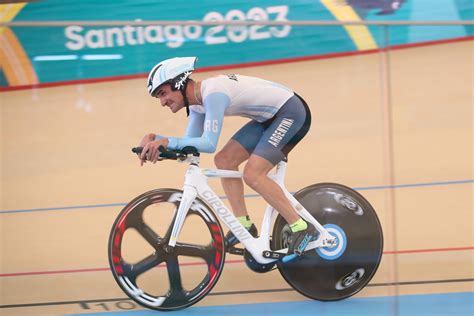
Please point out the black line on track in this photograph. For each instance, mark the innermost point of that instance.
(84, 302)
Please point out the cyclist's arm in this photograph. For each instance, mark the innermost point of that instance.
(215, 105)
(195, 124)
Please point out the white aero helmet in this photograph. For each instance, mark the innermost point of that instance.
(174, 71)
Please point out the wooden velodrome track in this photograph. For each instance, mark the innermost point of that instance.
(67, 171)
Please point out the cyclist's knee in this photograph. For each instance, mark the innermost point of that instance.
(226, 160)
(220, 160)
(256, 170)
(251, 178)
(253, 174)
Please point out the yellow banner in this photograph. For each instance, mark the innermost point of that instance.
(359, 34)
(14, 61)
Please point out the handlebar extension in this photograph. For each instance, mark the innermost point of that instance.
(172, 154)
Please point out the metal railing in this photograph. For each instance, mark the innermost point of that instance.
(236, 23)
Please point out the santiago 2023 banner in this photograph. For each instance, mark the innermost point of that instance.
(32, 55)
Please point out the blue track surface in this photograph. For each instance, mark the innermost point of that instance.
(406, 305)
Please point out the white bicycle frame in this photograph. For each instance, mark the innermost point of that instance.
(195, 184)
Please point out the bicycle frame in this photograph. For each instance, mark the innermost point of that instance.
(195, 185)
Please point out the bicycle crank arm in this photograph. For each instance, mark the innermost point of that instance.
(235, 251)
(283, 257)
(324, 240)
(320, 243)
(273, 254)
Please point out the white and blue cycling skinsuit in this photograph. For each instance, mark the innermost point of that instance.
(279, 118)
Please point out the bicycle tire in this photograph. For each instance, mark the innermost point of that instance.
(334, 274)
(126, 274)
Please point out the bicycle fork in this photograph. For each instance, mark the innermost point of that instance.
(187, 199)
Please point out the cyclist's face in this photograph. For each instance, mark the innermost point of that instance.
(172, 99)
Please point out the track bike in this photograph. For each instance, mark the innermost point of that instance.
(338, 263)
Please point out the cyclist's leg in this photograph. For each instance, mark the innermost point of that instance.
(256, 176)
(230, 158)
(236, 151)
(289, 126)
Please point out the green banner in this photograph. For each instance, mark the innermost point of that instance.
(52, 54)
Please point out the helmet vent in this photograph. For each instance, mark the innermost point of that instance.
(150, 78)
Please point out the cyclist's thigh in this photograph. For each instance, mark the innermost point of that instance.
(288, 127)
(232, 153)
(249, 135)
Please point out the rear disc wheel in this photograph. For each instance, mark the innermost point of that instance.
(329, 274)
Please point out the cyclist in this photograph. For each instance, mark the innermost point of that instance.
(279, 120)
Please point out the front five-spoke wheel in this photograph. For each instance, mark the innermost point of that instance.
(151, 272)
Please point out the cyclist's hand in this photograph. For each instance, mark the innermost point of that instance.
(145, 140)
(150, 151)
